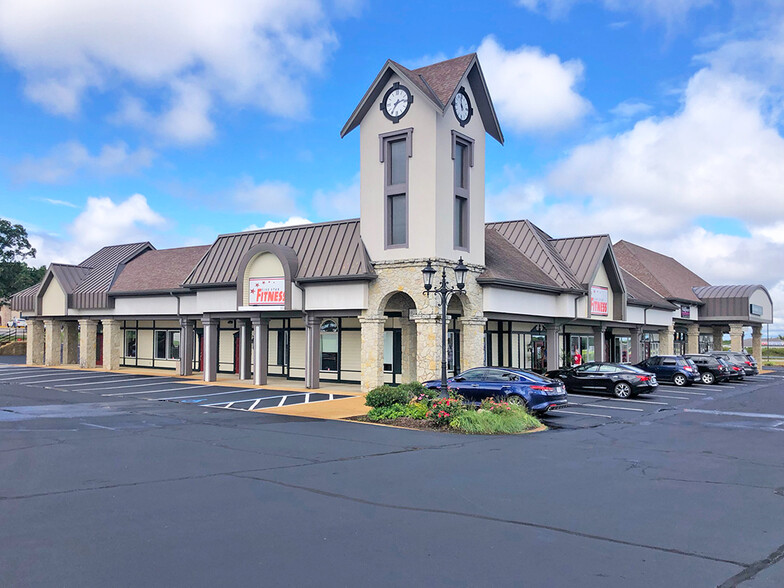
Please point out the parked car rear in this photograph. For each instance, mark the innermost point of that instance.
(744, 360)
(672, 368)
(712, 371)
(620, 380)
(735, 371)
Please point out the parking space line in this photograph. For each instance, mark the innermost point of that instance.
(60, 381)
(283, 399)
(111, 381)
(694, 393)
(128, 386)
(36, 375)
(255, 404)
(603, 399)
(153, 391)
(610, 407)
(200, 395)
(673, 397)
(752, 415)
(604, 416)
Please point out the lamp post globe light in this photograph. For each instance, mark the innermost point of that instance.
(444, 292)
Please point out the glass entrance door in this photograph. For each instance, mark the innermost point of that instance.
(453, 353)
(622, 350)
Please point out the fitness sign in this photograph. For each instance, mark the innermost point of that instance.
(599, 300)
(267, 291)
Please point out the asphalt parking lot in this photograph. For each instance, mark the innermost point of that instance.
(107, 485)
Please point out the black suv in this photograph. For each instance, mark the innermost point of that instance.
(738, 358)
(672, 368)
(712, 371)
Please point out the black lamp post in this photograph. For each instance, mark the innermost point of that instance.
(445, 293)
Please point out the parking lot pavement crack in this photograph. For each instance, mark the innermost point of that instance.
(755, 568)
(532, 525)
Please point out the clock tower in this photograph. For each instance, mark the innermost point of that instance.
(422, 161)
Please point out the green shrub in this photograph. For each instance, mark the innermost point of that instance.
(415, 410)
(491, 422)
(443, 411)
(387, 396)
(418, 391)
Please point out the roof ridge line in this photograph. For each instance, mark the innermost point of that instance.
(285, 227)
(559, 263)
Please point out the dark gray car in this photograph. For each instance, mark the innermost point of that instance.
(738, 358)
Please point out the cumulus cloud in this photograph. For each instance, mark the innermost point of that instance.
(532, 91)
(102, 222)
(669, 11)
(342, 202)
(257, 53)
(272, 198)
(72, 158)
(289, 222)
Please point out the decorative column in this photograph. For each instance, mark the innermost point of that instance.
(187, 342)
(693, 338)
(112, 344)
(756, 343)
(52, 338)
(88, 339)
(372, 352)
(598, 343)
(70, 342)
(312, 351)
(428, 347)
(636, 351)
(736, 337)
(260, 350)
(245, 333)
(408, 349)
(552, 347)
(718, 338)
(210, 348)
(35, 341)
(472, 341)
(667, 340)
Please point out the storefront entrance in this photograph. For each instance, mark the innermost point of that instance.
(622, 350)
(581, 350)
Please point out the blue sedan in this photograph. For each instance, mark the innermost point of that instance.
(537, 393)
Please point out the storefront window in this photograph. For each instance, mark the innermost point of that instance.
(679, 343)
(329, 346)
(581, 349)
(130, 343)
(650, 345)
(167, 345)
(706, 343)
(622, 350)
(389, 350)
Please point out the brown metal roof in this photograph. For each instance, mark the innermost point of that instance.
(639, 293)
(506, 263)
(582, 254)
(24, 300)
(69, 276)
(664, 275)
(728, 302)
(92, 292)
(158, 270)
(532, 242)
(331, 250)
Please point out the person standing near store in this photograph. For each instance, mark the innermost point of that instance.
(577, 359)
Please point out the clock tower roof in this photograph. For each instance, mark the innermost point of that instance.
(439, 83)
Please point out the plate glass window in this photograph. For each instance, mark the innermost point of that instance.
(462, 156)
(396, 154)
(329, 346)
(130, 343)
(167, 345)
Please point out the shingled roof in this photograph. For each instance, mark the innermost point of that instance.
(506, 264)
(157, 270)
(325, 251)
(639, 294)
(664, 275)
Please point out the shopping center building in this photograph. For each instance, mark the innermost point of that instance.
(344, 301)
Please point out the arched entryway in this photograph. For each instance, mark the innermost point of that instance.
(400, 344)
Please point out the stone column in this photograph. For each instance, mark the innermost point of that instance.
(245, 334)
(408, 350)
(312, 351)
(260, 350)
(88, 339)
(736, 337)
(756, 343)
(428, 347)
(112, 344)
(53, 338)
(667, 340)
(372, 352)
(210, 348)
(187, 342)
(70, 342)
(693, 338)
(35, 341)
(718, 338)
(598, 343)
(636, 351)
(553, 349)
(472, 342)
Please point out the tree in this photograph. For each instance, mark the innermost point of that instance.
(15, 274)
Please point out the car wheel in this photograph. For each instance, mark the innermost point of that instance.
(708, 378)
(679, 380)
(516, 400)
(622, 390)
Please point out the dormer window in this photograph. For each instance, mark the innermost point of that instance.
(463, 157)
(395, 151)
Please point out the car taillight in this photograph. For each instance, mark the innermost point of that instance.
(748, 362)
(539, 387)
(687, 368)
(644, 378)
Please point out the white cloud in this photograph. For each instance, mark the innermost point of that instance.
(257, 53)
(630, 109)
(340, 203)
(532, 92)
(69, 159)
(669, 11)
(272, 198)
(58, 202)
(102, 222)
(289, 222)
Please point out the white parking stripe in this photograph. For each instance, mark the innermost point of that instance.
(128, 386)
(752, 415)
(673, 397)
(609, 407)
(37, 375)
(604, 416)
(111, 381)
(283, 398)
(619, 399)
(200, 395)
(153, 391)
(255, 404)
(694, 393)
(60, 381)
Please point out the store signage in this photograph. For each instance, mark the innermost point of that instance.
(685, 311)
(267, 291)
(755, 309)
(599, 300)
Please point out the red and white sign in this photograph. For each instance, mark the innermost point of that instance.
(599, 300)
(267, 291)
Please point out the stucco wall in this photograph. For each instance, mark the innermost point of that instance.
(602, 280)
(264, 265)
(53, 302)
(760, 298)
(336, 296)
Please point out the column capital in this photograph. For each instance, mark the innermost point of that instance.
(736, 328)
(186, 323)
(257, 320)
(312, 321)
(370, 320)
(110, 321)
(426, 318)
(756, 330)
(693, 327)
(87, 322)
(208, 320)
(600, 328)
(474, 320)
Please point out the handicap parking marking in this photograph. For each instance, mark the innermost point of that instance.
(202, 395)
(275, 401)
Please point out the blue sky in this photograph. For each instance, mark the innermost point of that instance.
(177, 121)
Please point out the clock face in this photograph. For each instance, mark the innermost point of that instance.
(462, 107)
(396, 102)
